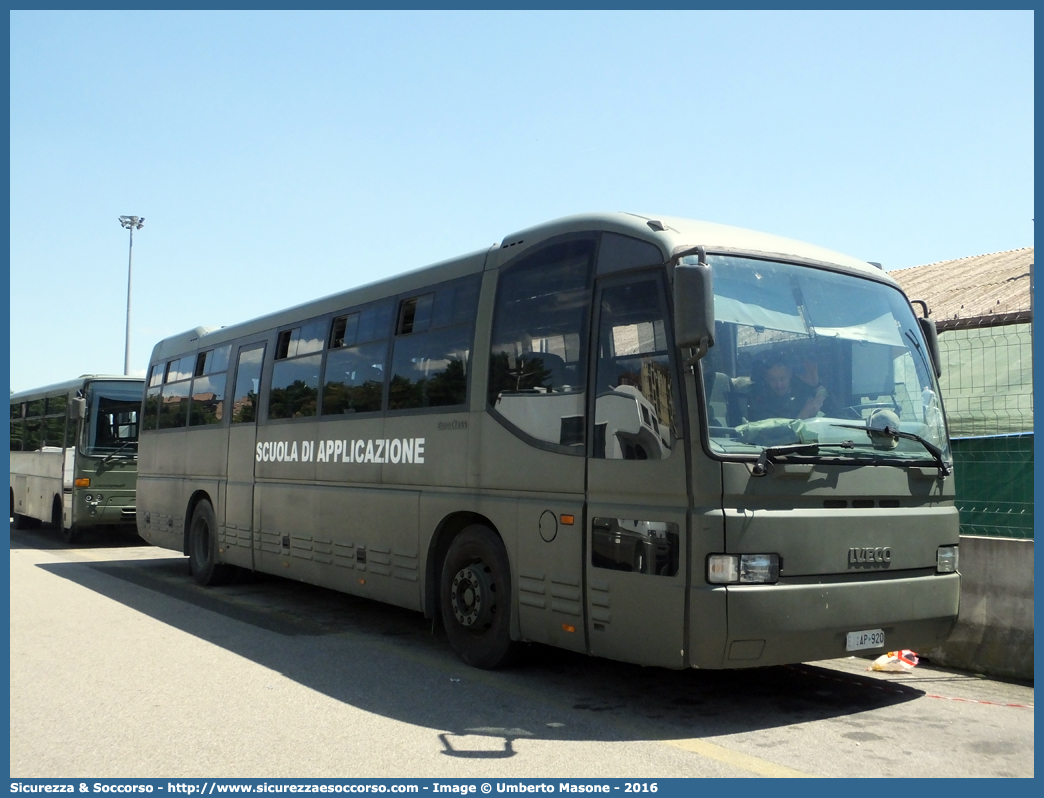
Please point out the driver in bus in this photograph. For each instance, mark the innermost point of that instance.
(778, 394)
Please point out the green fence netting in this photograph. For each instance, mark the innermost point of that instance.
(987, 388)
(994, 490)
(987, 379)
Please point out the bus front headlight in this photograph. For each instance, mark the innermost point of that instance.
(946, 559)
(743, 569)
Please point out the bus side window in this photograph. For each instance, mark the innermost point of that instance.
(294, 392)
(32, 435)
(16, 427)
(248, 379)
(150, 420)
(538, 348)
(634, 401)
(353, 381)
(208, 387)
(433, 345)
(54, 423)
(173, 401)
(54, 431)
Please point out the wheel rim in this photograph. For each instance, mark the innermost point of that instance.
(473, 596)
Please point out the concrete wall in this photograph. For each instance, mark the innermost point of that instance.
(994, 632)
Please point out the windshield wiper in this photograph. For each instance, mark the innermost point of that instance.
(890, 431)
(770, 452)
(116, 451)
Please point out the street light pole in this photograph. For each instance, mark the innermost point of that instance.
(130, 223)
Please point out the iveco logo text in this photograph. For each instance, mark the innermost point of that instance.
(381, 450)
(882, 554)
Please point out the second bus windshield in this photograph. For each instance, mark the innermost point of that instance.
(112, 417)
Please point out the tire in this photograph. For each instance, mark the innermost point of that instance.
(70, 535)
(475, 599)
(203, 547)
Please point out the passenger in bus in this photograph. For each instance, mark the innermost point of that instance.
(777, 394)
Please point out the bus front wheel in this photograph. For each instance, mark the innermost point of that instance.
(475, 599)
(203, 547)
(69, 535)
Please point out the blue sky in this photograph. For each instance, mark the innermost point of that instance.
(278, 157)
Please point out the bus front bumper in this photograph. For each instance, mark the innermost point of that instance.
(116, 508)
(781, 624)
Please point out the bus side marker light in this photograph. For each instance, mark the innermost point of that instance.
(566, 627)
(362, 581)
(83, 482)
(567, 520)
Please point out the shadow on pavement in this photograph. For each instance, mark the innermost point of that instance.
(45, 536)
(396, 663)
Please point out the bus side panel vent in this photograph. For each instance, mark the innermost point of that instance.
(599, 603)
(404, 566)
(344, 554)
(379, 561)
(322, 551)
(301, 547)
(531, 589)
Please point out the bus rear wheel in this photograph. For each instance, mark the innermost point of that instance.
(203, 564)
(475, 599)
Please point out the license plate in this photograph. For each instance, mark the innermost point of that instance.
(869, 638)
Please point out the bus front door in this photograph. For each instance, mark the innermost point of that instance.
(636, 482)
(237, 538)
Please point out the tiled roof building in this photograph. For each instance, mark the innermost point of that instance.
(977, 291)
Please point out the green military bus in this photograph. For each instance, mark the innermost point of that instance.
(657, 440)
(74, 454)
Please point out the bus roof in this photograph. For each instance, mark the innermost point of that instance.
(70, 385)
(671, 234)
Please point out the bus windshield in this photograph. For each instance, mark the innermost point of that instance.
(111, 426)
(809, 356)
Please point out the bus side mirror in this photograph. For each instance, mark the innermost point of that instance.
(931, 337)
(693, 309)
(78, 408)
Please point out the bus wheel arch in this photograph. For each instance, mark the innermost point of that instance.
(475, 598)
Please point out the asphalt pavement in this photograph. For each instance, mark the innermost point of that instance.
(122, 666)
